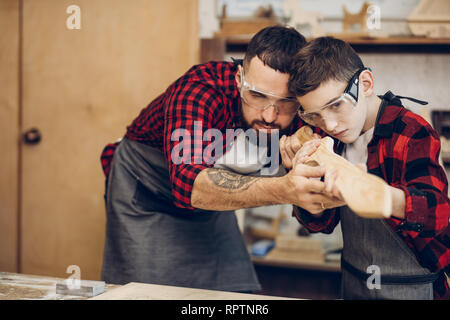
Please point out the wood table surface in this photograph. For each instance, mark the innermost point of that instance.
(14, 286)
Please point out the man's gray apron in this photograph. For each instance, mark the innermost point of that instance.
(150, 240)
(376, 262)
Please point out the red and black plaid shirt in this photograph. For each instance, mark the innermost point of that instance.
(405, 152)
(208, 94)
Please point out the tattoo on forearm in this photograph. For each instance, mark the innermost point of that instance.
(231, 181)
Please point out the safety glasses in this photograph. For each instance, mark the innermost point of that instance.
(261, 100)
(338, 106)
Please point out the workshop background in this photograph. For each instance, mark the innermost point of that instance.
(75, 73)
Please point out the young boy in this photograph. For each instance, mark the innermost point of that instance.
(410, 250)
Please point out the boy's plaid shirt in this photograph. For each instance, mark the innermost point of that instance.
(404, 152)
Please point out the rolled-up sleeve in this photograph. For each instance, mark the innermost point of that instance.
(325, 223)
(190, 113)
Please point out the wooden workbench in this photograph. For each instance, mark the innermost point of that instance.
(15, 286)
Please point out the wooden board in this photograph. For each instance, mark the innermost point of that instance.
(9, 124)
(143, 291)
(296, 243)
(244, 27)
(366, 194)
(284, 256)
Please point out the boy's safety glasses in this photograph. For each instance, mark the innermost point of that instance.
(337, 107)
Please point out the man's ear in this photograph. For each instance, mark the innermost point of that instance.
(238, 77)
(367, 82)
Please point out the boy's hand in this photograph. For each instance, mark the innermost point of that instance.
(331, 189)
(289, 146)
(312, 192)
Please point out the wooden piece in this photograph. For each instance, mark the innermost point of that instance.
(9, 124)
(367, 195)
(296, 243)
(297, 17)
(328, 266)
(84, 288)
(359, 18)
(293, 256)
(144, 291)
(271, 233)
(431, 18)
(291, 249)
(243, 26)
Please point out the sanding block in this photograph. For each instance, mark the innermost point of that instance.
(84, 288)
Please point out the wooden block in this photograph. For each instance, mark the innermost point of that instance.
(85, 289)
(367, 195)
(431, 18)
(296, 243)
(281, 255)
(359, 18)
(235, 27)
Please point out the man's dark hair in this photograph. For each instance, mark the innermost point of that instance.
(322, 59)
(275, 47)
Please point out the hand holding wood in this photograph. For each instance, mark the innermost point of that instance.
(367, 195)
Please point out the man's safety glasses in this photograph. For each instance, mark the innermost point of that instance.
(337, 107)
(261, 100)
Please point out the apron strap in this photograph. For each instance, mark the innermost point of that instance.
(390, 96)
(392, 279)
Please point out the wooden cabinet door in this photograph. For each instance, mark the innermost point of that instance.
(80, 89)
(9, 125)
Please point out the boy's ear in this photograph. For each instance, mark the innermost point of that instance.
(367, 82)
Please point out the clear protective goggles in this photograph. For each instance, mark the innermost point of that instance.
(261, 100)
(337, 107)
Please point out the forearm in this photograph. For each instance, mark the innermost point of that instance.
(218, 189)
(398, 203)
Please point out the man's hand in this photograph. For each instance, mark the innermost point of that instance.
(289, 146)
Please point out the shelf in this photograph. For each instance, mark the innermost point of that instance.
(215, 48)
(328, 266)
(244, 40)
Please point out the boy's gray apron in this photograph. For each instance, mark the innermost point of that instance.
(150, 240)
(371, 243)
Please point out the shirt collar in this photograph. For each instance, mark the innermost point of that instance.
(389, 110)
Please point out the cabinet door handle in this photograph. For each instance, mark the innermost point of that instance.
(32, 136)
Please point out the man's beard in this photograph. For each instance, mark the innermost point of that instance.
(262, 133)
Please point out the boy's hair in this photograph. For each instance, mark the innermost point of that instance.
(322, 59)
(275, 47)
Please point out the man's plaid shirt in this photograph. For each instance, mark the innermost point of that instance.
(207, 94)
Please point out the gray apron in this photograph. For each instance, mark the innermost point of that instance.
(372, 242)
(149, 239)
(376, 262)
